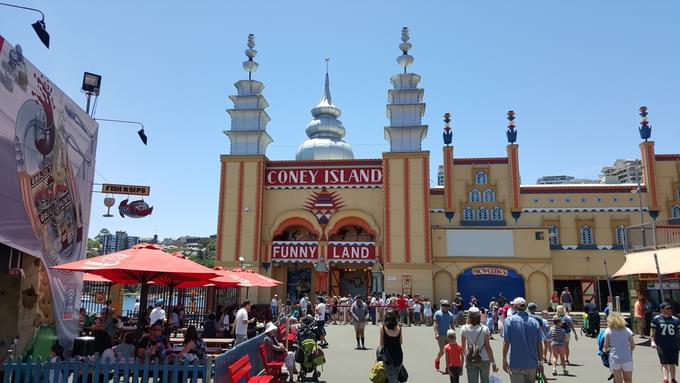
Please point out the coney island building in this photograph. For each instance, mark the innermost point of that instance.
(327, 222)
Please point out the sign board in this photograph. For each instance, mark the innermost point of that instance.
(126, 189)
(295, 251)
(340, 177)
(351, 252)
(490, 270)
(675, 285)
(99, 298)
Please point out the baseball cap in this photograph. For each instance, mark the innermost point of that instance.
(520, 303)
(665, 305)
(159, 302)
(474, 311)
(532, 306)
(444, 302)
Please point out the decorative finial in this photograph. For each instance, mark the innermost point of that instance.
(405, 59)
(448, 133)
(511, 133)
(250, 66)
(645, 129)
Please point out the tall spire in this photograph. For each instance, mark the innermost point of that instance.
(325, 131)
(405, 107)
(248, 134)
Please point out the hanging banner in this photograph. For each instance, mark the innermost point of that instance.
(295, 251)
(351, 252)
(47, 159)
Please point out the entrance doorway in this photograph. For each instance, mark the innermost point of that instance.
(574, 286)
(485, 282)
(619, 288)
(351, 281)
(299, 283)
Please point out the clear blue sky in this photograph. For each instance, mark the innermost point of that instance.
(575, 72)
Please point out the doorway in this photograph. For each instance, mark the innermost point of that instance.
(299, 283)
(574, 286)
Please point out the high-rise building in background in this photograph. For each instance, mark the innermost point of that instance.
(116, 242)
(440, 175)
(622, 172)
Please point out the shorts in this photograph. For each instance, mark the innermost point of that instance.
(442, 342)
(567, 338)
(626, 367)
(567, 306)
(667, 355)
(359, 326)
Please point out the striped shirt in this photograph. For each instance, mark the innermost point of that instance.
(557, 336)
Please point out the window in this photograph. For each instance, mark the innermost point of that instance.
(475, 196)
(489, 195)
(675, 211)
(677, 193)
(539, 235)
(483, 214)
(586, 235)
(554, 234)
(468, 214)
(481, 178)
(620, 234)
(497, 214)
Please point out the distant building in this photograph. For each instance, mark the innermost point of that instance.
(132, 240)
(622, 172)
(554, 180)
(440, 175)
(111, 243)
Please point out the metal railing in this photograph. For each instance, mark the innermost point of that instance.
(652, 235)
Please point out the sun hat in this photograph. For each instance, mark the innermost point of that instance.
(270, 327)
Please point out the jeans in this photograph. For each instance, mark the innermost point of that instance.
(522, 375)
(392, 373)
(371, 313)
(240, 339)
(456, 372)
(478, 372)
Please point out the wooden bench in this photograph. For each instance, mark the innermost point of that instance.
(241, 369)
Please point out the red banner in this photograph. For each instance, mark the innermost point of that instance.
(295, 251)
(351, 252)
(329, 177)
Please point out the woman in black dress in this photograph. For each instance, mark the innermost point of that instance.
(390, 346)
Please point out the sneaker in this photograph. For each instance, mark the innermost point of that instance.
(436, 364)
(554, 371)
(565, 372)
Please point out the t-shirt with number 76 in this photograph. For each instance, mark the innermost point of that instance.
(667, 331)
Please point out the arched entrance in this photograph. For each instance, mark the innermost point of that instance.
(443, 286)
(351, 254)
(485, 282)
(290, 237)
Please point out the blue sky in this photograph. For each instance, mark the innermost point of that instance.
(575, 73)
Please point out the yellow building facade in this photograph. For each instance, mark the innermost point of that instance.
(359, 226)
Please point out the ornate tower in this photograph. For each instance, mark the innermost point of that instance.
(405, 107)
(325, 131)
(248, 134)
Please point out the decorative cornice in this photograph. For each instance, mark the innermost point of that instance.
(582, 209)
(321, 163)
(324, 186)
(480, 161)
(578, 189)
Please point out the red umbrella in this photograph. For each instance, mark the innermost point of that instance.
(253, 279)
(142, 264)
(87, 277)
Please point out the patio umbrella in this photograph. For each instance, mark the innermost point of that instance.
(142, 264)
(87, 277)
(252, 279)
(643, 262)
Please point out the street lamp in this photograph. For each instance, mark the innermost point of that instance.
(240, 262)
(140, 132)
(38, 26)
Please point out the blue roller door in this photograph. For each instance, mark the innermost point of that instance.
(485, 282)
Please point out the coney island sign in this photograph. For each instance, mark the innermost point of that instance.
(361, 176)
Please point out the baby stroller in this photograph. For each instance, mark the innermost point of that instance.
(591, 324)
(308, 354)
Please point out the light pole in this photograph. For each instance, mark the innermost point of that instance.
(38, 26)
(140, 132)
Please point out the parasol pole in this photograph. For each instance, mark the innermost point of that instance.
(143, 304)
(658, 274)
(609, 283)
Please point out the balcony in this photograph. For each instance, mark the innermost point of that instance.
(652, 235)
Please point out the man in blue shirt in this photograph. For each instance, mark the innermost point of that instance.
(443, 321)
(522, 335)
(664, 333)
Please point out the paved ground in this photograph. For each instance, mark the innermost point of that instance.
(344, 364)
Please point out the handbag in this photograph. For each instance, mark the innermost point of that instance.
(495, 378)
(403, 374)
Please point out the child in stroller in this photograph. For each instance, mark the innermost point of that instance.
(591, 324)
(308, 354)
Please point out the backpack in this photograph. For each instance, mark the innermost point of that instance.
(565, 325)
(378, 373)
(474, 353)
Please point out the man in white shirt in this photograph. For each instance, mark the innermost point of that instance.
(303, 306)
(275, 306)
(241, 323)
(381, 309)
(321, 321)
(157, 314)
